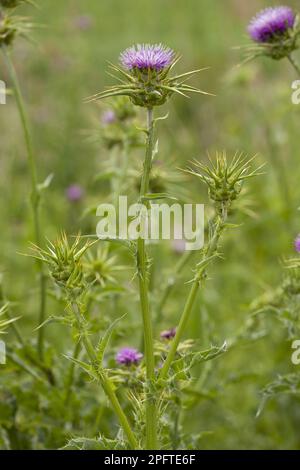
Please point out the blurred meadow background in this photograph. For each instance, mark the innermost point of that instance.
(251, 112)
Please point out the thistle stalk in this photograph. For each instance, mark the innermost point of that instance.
(35, 193)
(210, 251)
(294, 64)
(151, 438)
(102, 377)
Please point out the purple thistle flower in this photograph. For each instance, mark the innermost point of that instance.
(168, 334)
(83, 22)
(147, 56)
(297, 244)
(271, 23)
(179, 246)
(128, 356)
(108, 117)
(74, 193)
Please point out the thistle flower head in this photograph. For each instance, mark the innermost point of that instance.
(275, 32)
(144, 76)
(168, 334)
(10, 3)
(128, 357)
(8, 30)
(108, 117)
(74, 193)
(297, 244)
(225, 178)
(147, 56)
(271, 24)
(12, 26)
(64, 262)
(101, 267)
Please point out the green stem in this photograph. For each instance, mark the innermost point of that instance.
(151, 419)
(199, 278)
(35, 194)
(70, 377)
(103, 379)
(294, 64)
(170, 285)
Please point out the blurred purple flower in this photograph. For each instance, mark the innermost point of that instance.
(83, 22)
(128, 356)
(147, 56)
(168, 334)
(179, 246)
(271, 23)
(108, 117)
(74, 193)
(297, 244)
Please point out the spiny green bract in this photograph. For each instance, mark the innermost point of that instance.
(64, 262)
(225, 178)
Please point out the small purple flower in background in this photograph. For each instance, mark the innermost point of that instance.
(271, 23)
(74, 193)
(168, 334)
(147, 56)
(297, 244)
(108, 117)
(83, 22)
(128, 356)
(179, 246)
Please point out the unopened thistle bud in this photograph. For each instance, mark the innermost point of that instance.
(275, 32)
(10, 3)
(8, 30)
(65, 263)
(225, 179)
(145, 75)
(12, 26)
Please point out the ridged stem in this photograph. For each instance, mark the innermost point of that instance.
(199, 278)
(102, 377)
(294, 64)
(151, 418)
(35, 194)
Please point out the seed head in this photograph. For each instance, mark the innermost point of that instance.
(128, 357)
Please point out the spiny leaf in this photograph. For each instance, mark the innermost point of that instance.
(105, 339)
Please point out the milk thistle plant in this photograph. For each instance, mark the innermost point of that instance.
(145, 78)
